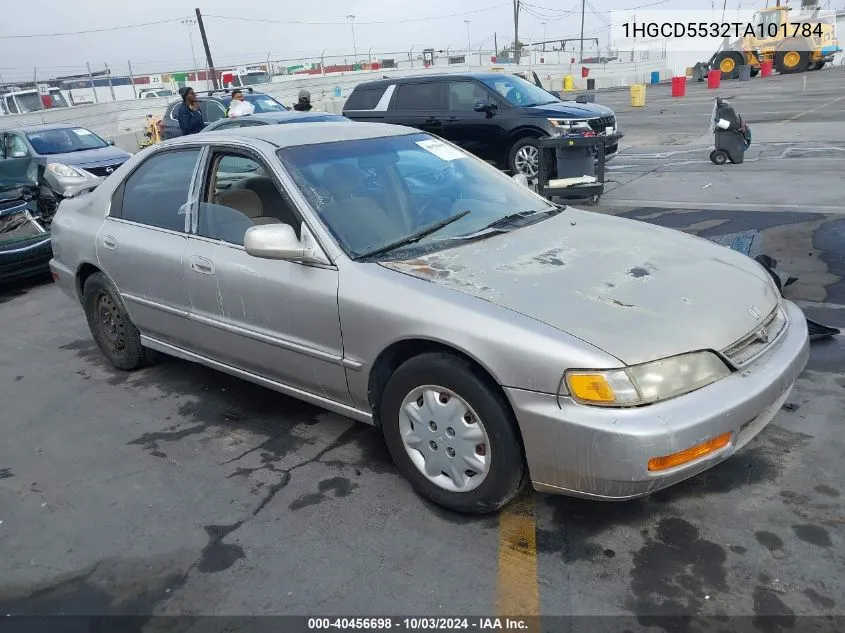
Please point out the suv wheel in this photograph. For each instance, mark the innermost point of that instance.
(524, 157)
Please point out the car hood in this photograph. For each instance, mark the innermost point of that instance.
(637, 291)
(90, 157)
(571, 109)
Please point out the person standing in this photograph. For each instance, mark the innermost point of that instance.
(304, 102)
(188, 112)
(239, 106)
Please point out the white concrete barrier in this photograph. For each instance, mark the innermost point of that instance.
(124, 121)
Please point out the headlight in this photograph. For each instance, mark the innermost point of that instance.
(646, 383)
(568, 125)
(65, 171)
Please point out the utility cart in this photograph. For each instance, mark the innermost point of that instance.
(572, 167)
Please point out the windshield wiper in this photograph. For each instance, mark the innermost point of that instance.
(414, 237)
(509, 219)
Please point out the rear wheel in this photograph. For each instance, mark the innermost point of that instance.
(719, 157)
(113, 331)
(452, 434)
(792, 61)
(729, 63)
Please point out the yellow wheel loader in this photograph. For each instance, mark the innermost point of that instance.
(793, 45)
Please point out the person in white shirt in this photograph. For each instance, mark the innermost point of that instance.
(239, 106)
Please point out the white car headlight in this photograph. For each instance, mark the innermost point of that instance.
(647, 383)
(65, 171)
(568, 125)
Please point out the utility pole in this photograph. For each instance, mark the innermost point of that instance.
(495, 45)
(583, 7)
(93, 87)
(207, 50)
(189, 22)
(111, 86)
(351, 19)
(468, 44)
(515, 30)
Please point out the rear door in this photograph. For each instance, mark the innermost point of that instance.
(141, 243)
(476, 132)
(212, 110)
(421, 105)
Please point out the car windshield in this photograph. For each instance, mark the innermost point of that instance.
(373, 193)
(63, 140)
(262, 103)
(518, 91)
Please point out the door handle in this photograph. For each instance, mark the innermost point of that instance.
(202, 265)
(432, 119)
(109, 242)
(451, 119)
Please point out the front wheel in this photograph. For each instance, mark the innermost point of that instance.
(524, 157)
(113, 331)
(452, 434)
(789, 62)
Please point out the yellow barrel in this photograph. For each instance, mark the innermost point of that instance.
(638, 96)
(568, 82)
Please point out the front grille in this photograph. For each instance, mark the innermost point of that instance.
(600, 124)
(103, 170)
(752, 345)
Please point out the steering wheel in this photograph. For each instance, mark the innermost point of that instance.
(427, 213)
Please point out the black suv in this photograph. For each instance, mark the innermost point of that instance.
(496, 116)
(213, 105)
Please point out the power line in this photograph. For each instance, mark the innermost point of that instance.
(357, 22)
(596, 13)
(103, 30)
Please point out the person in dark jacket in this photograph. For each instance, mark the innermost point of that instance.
(304, 102)
(188, 113)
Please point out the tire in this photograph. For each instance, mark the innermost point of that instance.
(792, 61)
(728, 63)
(428, 378)
(719, 157)
(520, 150)
(117, 338)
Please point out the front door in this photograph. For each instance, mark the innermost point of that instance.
(477, 132)
(141, 243)
(421, 105)
(277, 319)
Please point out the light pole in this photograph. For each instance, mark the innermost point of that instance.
(189, 22)
(468, 44)
(544, 36)
(351, 19)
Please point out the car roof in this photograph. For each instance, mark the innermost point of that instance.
(288, 115)
(423, 78)
(311, 134)
(43, 127)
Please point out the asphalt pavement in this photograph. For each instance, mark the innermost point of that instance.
(179, 490)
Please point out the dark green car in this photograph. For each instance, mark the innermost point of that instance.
(25, 248)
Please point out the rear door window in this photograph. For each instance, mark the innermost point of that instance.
(421, 96)
(364, 98)
(155, 194)
(212, 110)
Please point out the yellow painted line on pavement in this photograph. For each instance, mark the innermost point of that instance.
(517, 592)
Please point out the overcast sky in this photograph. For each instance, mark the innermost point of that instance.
(166, 47)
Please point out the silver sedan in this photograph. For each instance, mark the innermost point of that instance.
(387, 275)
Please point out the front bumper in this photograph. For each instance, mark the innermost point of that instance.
(603, 453)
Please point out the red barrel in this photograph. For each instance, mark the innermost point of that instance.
(714, 78)
(679, 86)
(766, 68)
(585, 72)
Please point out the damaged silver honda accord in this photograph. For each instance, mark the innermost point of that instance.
(387, 275)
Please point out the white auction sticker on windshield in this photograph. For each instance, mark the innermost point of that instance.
(82, 131)
(441, 150)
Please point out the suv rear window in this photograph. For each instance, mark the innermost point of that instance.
(364, 98)
(421, 96)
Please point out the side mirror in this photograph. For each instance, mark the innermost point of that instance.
(521, 179)
(277, 241)
(111, 142)
(18, 154)
(483, 106)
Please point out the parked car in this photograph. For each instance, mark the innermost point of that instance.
(213, 105)
(64, 149)
(29, 195)
(494, 337)
(496, 116)
(272, 118)
(154, 93)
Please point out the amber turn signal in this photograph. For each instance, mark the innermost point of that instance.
(690, 454)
